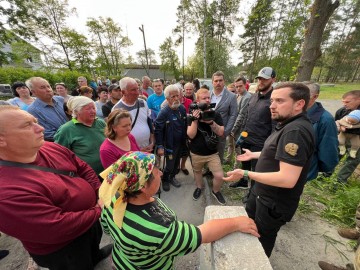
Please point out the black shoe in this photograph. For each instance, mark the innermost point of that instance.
(165, 186)
(3, 253)
(175, 182)
(185, 171)
(104, 253)
(219, 197)
(242, 183)
(197, 194)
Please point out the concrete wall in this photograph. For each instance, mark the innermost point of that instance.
(238, 250)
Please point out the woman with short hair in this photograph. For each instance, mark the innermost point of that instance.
(62, 91)
(22, 95)
(85, 91)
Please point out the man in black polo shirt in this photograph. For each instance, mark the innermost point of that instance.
(281, 170)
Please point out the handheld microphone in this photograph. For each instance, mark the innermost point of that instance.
(242, 137)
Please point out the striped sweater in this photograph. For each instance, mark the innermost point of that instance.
(150, 238)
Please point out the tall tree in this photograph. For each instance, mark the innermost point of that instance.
(15, 14)
(183, 26)
(169, 59)
(109, 44)
(257, 30)
(321, 11)
(141, 57)
(51, 36)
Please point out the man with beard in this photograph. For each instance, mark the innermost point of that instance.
(283, 163)
(170, 135)
(115, 95)
(257, 120)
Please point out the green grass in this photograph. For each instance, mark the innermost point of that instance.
(336, 92)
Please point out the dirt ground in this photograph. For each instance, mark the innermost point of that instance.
(300, 244)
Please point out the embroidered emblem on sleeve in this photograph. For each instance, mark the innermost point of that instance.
(291, 149)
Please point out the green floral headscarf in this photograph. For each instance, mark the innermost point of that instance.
(130, 174)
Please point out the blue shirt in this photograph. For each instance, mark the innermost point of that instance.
(149, 91)
(50, 117)
(154, 103)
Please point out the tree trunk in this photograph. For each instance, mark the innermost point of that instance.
(320, 13)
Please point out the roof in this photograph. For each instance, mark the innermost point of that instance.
(154, 72)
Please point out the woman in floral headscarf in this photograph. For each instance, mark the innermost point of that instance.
(146, 232)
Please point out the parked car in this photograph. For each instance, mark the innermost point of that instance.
(5, 90)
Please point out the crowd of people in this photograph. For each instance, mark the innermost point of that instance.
(93, 157)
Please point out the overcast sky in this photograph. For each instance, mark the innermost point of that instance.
(157, 16)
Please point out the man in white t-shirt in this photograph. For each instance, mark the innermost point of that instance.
(141, 124)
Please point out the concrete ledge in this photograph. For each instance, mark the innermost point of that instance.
(235, 251)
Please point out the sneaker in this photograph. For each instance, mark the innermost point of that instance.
(219, 197)
(328, 266)
(165, 186)
(175, 182)
(342, 150)
(352, 153)
(242, 183)
(352, 234)
(197, 194)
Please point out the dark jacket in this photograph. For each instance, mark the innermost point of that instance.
(325, 156)
(166, 124)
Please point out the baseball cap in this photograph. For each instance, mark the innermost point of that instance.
(113, 86)
(266, 73)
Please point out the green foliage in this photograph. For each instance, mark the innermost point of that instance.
(109, 44)
(11, 75)
(340, 60)
(15, 14)
(169, 59)
(339, 201)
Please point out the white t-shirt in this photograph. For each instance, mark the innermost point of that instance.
(141, 130)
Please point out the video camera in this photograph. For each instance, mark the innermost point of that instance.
(207, 112)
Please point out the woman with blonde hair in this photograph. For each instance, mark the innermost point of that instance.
(119, 140)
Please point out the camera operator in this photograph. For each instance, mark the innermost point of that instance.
(204, 131)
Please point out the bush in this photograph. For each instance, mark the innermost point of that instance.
(9, 75)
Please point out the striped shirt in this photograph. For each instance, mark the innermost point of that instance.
(150, 238)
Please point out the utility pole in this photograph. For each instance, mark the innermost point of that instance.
(146, 55)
